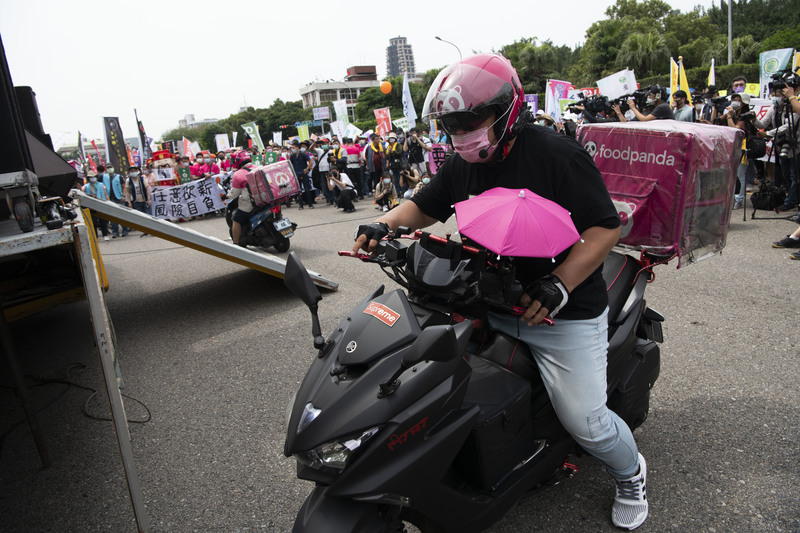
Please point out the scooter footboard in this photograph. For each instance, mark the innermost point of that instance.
(321, 513)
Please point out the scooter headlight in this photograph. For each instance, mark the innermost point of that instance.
(335, 454)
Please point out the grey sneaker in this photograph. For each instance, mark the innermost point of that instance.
(630, 505)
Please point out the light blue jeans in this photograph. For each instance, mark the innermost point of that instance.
(572, 359)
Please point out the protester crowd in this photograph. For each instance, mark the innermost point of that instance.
(387, 169)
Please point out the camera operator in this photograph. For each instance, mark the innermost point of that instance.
(657, 99)
(592, 118)
(738, 115)
(714, 107)
(791, 143)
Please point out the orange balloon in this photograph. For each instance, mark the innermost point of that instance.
(386, 87)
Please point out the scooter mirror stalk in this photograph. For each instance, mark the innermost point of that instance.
(298, 281)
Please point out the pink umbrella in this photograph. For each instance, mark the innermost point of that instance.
(517, 223)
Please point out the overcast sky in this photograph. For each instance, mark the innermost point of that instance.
(86, 59)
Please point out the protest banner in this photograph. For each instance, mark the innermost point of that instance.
(338, 128)
(401, 123)
(251, 128)
(408, 104)
(772, 62)
(555, 91)
(277, 137)
(616, 85)
(187, 200)
(340, 108)
(184, 174)
(270, 157)
(436, 157)
(351, 131)
(116, 152)
(322, 113)
(302, 133)
(222, 142)
(144, 144)
(384, 118)
(533, 101)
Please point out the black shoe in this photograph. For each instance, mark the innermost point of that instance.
(795, 255)
(300, 206)
(311, 206)
(785, 208)
(786, 242)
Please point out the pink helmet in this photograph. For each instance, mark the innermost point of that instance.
(241, 158)
(466, 93)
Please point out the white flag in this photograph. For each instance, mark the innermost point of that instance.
(277, 137)
(340, 107)
(551, 105)
(222, 141)
(234, 134)
(408, 104)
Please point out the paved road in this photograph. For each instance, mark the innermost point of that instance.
(215, 351)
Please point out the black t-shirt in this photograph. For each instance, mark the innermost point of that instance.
(553, 166)
(663, 111)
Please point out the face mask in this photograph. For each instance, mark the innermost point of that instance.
(387, 181)
(738, 89)
(324, 146)
(776, 100)
(426, 181)
(542, 123)
(736, 105)
(294, 150)
(335, 146)
(134, 174)
(302, 149)
(470, 145)
(651, 101)
(110, 170)
(92, 180)
(362, 143)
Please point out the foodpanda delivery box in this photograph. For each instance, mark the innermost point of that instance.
(273, 182)
(672, 182)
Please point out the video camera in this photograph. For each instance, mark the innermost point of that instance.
(784, 78)
(593, 104)
(639, 97)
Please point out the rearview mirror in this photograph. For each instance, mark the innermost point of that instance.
(297, 279)
(435, 343)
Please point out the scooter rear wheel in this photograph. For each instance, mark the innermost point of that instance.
(282, 244)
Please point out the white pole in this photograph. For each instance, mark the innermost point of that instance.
(730, 33)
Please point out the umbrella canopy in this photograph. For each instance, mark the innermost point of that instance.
(517, 223)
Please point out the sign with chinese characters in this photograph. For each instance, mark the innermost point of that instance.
(187, 200)
(437, 156)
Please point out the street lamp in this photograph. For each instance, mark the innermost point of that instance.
(448, 42)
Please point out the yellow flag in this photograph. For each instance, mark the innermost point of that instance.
(684, 84)
(673, 76)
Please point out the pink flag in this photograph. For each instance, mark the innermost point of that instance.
(187, 150)
(384, 118)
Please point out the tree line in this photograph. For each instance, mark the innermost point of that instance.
(640, 35)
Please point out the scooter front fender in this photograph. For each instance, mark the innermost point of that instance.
(321, 513)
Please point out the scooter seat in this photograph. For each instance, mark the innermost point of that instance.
(619, 271)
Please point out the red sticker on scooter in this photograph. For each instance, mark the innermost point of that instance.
(382, 313)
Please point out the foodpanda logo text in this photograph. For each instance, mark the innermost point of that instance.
(633, 156)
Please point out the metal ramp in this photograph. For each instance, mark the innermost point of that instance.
(263, 262)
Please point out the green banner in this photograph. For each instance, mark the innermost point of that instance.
(185, 174)
(773, 62)
(252, 130)
(258, 160)
(270, 157)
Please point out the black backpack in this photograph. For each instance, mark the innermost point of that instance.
(767, 197)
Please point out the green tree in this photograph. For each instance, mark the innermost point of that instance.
(759, 18)
(646, 53)
(785, 38)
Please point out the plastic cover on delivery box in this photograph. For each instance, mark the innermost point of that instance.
(273, 182)
(672, 182)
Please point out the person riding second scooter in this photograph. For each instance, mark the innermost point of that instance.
(239, 190)
(479, 103)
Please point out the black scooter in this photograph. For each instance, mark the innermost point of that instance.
(412, 413)
(267, 227)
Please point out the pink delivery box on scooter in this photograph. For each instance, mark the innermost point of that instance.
(273, 182)
(671, 181)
